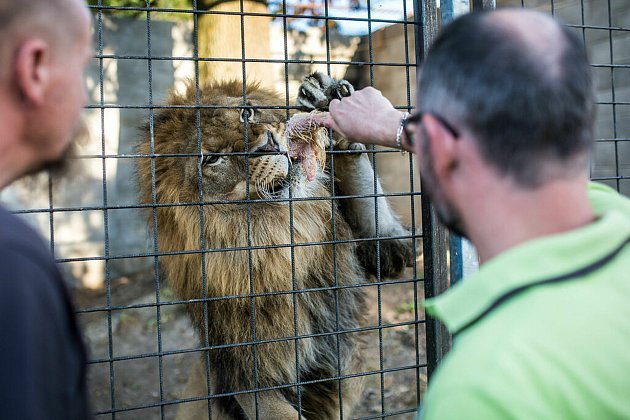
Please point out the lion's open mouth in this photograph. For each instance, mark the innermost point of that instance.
(307, 139)
(278, 186)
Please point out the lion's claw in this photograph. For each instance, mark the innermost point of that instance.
(318, 89)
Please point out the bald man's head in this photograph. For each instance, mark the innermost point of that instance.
(57, 21)
(45, 47)
(535, 34)
(520, 84)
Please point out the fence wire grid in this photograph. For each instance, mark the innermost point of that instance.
(141, 343)
(162, 397)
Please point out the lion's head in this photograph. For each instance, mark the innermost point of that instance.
(208, 147)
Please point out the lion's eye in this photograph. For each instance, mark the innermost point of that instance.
(247, 114)
(213, 160)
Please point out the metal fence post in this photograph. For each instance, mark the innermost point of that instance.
(435, 238)
(435, 244)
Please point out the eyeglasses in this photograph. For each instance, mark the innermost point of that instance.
(413, 119)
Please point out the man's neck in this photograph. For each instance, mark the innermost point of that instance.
(509, 216)
(14, 156)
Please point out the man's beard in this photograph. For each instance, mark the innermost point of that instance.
(61, 168)
(446, 211)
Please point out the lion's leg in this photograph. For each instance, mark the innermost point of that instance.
(354, 176)
(244, 368)
(271, 405)
(328, 400)
(321, 400)
(276, 366)
(197, 386)
(352, 390)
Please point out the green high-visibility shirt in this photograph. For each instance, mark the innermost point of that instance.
(542, 331)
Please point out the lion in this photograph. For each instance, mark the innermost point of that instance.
(269, 264)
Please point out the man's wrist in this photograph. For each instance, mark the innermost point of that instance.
(390, 128)
(400, 131)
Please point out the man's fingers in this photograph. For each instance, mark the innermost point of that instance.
(335, 127)
(333, 105)
(326, 120)
(329, 122)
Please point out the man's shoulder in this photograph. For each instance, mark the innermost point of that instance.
(27, 268)
(475, 388)
(18, 236)
(605, 198)
(491, 380)
(533, 359)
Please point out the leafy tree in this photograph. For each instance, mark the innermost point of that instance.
(151, 4)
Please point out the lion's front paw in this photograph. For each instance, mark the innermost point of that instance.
(395, 255)
(341, 143)
(318, 89)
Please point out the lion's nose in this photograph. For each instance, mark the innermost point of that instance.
(271, 145)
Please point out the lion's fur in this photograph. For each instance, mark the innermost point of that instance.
(271, 266)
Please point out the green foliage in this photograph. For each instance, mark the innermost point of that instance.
(133, 5)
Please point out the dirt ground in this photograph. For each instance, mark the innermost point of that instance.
(135, 381)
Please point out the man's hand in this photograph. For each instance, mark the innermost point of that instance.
(365, 117)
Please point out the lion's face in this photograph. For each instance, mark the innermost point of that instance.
(234, 164)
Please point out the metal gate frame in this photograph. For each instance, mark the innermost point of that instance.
(437, 275)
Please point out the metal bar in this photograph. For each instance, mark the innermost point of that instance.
(250, 262)
(247, 343)
(285, 27)
(252, 60)
(446, 11)
(416, 309)
(208, 250)
(358, 284)
(158, 308)
(204, 277)
(110, 347)
(269, 388)
(333, 221)
(379, 292)
(613, 94)
(435, 240)
(456, 258)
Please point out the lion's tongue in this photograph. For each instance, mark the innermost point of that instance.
(309, 162)
(305, 153)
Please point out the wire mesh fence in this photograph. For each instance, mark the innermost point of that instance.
(143, 347)
(245, 64)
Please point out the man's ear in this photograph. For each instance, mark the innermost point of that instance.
(32, 70)
(443, 146)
